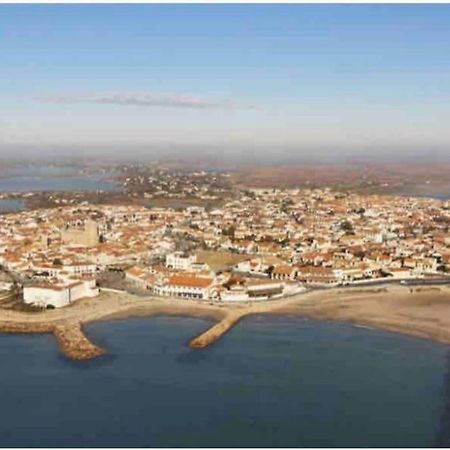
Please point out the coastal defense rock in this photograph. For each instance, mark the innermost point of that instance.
(74, 342)
(214, 333)
(18, 327)
(69, 335)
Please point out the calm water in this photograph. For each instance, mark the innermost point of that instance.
(31, 179)
(10, 205)
(270, 382)
(443, 196)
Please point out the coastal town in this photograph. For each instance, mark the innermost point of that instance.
(261, 245)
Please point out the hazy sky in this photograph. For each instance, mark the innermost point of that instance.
(297, 77)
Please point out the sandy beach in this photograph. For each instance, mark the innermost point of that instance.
(422, 311)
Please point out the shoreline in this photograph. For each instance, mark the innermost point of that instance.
(422, 311)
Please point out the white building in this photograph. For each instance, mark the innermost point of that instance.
(80, 268)
(6, 285)
(188, 286)
(59, 294)
(140, 278)
(236, 293)
(180, 261)
(264, 289)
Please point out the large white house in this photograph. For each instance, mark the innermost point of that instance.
(59, 294)
(180, 261)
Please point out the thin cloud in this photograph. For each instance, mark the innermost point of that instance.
(146, 99)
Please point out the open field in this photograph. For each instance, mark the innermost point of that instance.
(415, 179)
(220, 260)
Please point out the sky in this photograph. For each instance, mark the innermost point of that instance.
(290, 80)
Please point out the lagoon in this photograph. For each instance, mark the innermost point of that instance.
(11, 205)
(35, 179)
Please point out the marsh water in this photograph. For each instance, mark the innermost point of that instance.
(48, 178)
(10, 205)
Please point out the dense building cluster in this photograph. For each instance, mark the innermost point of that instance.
(152, 182)
(263, 245)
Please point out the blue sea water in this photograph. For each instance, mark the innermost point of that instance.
(46, 178)
(10, 205)
(272, 381)
(38, 183)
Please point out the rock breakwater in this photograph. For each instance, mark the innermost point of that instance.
(71, 339)
(214, 333)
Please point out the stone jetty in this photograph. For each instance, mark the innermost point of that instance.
(74, 343)
(214, 333)
(71, 339)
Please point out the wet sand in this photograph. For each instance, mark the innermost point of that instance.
(422, 311)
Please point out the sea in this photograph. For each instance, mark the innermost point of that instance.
(272, 381)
